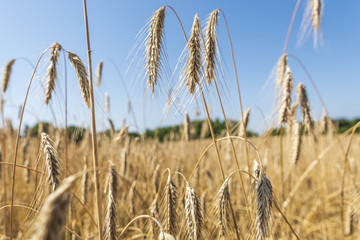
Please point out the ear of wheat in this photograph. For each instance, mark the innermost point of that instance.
(243, 127)
(296, 142)
(171, 199)
(210, 46)
(110, 217)
(154, 47)
(81, 75)
(51, 71)
(264, 195)
(285, 107)
(193, 214)
(99, 73)
(222, 207)
(52, 161)
(281, 66)
(193, 62)
(52, 216)
(6, 75)
(303, 101)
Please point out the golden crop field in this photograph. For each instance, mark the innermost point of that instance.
(296, 180)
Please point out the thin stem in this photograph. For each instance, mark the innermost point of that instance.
(93, 126)
(17, 145)
(291, 25)
(182, 27)
(66, 119)
(218, 155)
(237, 83)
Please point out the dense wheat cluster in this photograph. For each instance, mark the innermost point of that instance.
(296, 180)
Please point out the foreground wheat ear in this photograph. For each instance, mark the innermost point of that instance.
(110, 217)
(51, 71)
(264, 196)
(6, 75)
(154, 47)
(52, 217)
(82, 76)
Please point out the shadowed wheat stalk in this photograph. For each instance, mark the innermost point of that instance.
(6, 75)
(51, 71)
(81, 75)
(154, 46)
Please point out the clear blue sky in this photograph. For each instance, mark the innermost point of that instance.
(258, 30)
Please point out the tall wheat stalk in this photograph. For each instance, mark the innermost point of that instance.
(93, 128)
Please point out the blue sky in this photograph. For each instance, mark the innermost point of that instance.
(258, 30)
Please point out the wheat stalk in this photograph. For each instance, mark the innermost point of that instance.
(99, 73)
(84, 183)
(107, 102)
(154, 46)
(51, 71)
(6, 75)
(210, 46)
(52, 216)
(193, 214)
(193, 62)
(82, 76)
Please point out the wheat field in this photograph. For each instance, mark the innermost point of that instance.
(295, 180)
